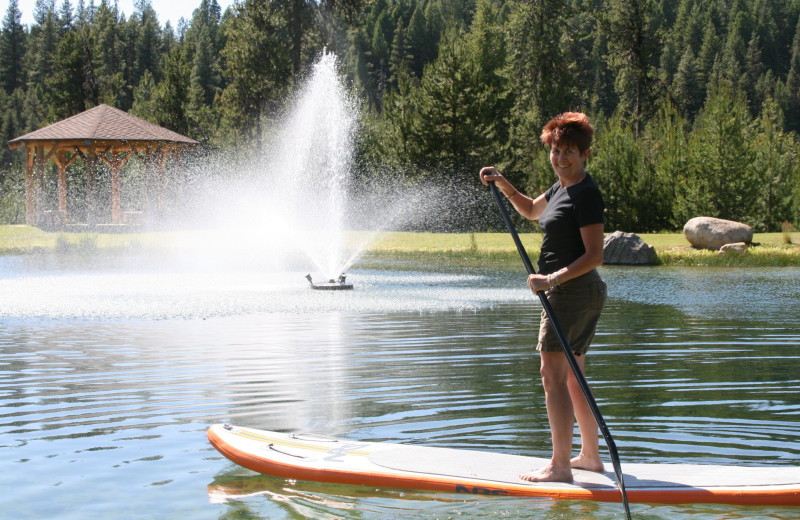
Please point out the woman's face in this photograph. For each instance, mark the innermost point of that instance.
(568, 162)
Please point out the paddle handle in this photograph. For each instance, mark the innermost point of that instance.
(573, 363)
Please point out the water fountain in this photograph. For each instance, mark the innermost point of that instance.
(311, 164)
(300, 194)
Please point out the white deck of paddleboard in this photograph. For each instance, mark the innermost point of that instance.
(498, 467)
(375, 458)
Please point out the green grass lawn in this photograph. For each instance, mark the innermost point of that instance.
(769, 249)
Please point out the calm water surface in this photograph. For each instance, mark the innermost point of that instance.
(109, 378)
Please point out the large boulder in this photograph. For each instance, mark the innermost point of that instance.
(713, 233)
(627, 249)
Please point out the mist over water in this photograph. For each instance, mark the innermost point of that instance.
(294, 195)
(291, 206)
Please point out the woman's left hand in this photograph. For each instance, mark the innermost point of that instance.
(538, 282)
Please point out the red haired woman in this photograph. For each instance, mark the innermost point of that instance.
(570, 214)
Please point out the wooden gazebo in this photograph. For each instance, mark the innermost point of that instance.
(103, 133)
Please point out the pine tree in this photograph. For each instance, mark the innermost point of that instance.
(445, 133)
(203, 51)
(388, 136)
(666, 160)
(631, 40)
(769, 30)
(543, 73)
(257, 64)
(379, 62)
(204, 86)
(400, 55)
(617, 166)
(777, 164)
(107, 53)
(12, 49)
(172, 93)
(44, 42)
(753, 74)
(65, 16)
(487, 49)
(67, 83)
(688, 29)
(723, 180)
(83, 15)
(435, 25)
(793, 84)
(147, 40)
(144, 98)
(542, 79)
(735, 48)
(205, 78)
(709, 51)
(417, 36)
(686, 86)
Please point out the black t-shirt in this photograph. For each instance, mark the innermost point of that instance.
(567, 211)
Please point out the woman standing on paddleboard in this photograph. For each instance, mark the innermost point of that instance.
(570, 214)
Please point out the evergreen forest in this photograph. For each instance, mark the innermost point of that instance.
(696, 103)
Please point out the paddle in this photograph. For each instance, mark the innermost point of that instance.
(573, 363)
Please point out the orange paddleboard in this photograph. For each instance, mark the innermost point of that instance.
(380, 464)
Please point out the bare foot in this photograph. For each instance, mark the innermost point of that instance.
(548, 473)
(587, 463)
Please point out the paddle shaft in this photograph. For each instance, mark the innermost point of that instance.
(573, 363)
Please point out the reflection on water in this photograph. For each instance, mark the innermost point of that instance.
(110, 377)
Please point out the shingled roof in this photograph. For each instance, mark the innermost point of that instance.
(103, 123)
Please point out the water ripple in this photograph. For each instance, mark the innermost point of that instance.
(102, 406)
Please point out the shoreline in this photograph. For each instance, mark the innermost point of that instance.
(449, 249)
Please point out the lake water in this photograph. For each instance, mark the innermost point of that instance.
(110, 377)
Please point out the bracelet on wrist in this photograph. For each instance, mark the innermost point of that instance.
(509, 197)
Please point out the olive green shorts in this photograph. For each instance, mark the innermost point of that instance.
(577, 305)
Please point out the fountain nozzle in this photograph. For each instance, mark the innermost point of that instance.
(330, 285)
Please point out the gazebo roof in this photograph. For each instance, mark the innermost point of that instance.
(103, 123)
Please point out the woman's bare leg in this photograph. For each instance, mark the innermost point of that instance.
(589, 457)
(555, 374)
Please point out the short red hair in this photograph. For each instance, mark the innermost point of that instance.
(568, 128)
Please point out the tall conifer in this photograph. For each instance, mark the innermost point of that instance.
(12, 49)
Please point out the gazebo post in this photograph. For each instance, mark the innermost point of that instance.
(30, 187)
(145, 154)
(115, 202)
(60, 158)
(38, 183)
(91, 176)
(116, 163)
(162, 166)
(62, 184)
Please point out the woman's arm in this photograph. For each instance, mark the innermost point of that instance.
(527, 207)
(592, 236)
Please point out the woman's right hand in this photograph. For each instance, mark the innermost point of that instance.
(490, 174)
(527, 207)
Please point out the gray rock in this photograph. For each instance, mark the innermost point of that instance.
(736, 248)
(713, 233)
(627, 249)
